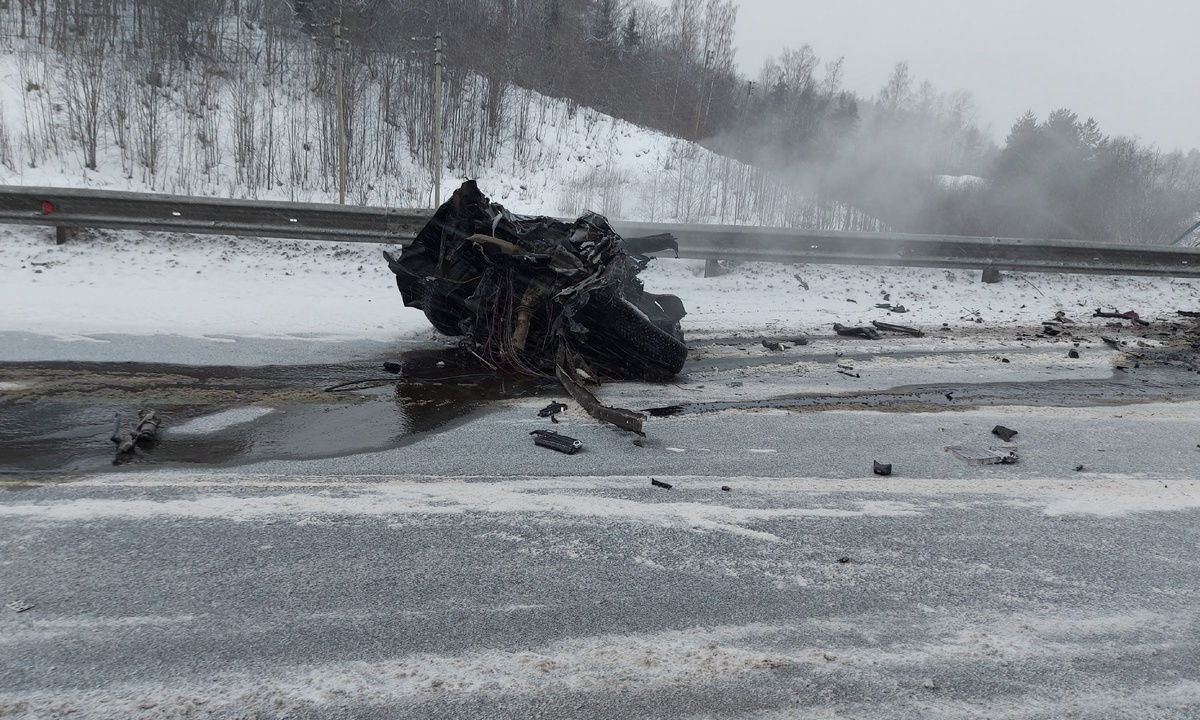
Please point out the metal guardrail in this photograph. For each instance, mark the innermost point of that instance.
(718, 242)
(77, 208)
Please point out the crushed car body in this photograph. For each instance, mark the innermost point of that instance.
(540, 296)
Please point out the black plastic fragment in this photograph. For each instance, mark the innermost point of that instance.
(883, 468)
(793, 339)
(1005, 434)
(897, 328)
(552, 409)
(660, 483)
(844, 559)
(771, 345)
(392, 367)
(554, 441)
(1073, 354)
(866, 332)
(726, 488)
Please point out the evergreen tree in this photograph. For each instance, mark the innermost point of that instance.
(631, 36)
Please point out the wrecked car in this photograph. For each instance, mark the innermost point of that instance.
(540, 296)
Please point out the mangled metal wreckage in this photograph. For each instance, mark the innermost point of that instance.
(539, 296)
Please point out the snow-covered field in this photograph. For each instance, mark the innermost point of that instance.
(220, 287)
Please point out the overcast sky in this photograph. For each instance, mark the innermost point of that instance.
(1134, 66)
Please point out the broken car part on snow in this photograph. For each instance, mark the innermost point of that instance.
(554, 441)
(1005, 434)
(144, 433)
(1002, 455)
(543, 297)
(552, 410)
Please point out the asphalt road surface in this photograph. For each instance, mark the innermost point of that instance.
(461, 571)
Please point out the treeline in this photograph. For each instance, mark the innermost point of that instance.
(186, 91)
(671, 67)
(1063, 177)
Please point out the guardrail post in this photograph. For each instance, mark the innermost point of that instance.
(63, 234)
(712, 268)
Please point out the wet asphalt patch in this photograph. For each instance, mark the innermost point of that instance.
(56, 418)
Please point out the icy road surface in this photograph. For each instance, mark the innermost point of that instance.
(466, 573)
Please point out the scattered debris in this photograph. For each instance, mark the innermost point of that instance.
(950, 396)
(1005, 434)
(552, 410)
(866, 332)
(785, 340)
(882, 468)
(638, 442)
(17, 606)
(1127, 315)
(844, 559)
(889, 327)
(393, 367)
(1111, 342)
(1005, 454)
(853, 301)
(929, 684)
(1188, 313)
(554, 441)
(144, 433)
(726, 488)
(891, 308)
(542, 297)
(801, 281)
(848, 374)
(660, 483)
(991, 274)
(1078, 468)
(772, 345)
(1073, 354)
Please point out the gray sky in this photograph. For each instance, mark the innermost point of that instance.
(1134, 66)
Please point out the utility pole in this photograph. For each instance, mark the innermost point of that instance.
(341, 107)
(437, 120)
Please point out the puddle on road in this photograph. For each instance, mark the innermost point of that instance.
(57, 418)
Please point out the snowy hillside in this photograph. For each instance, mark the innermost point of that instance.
(263, 131)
